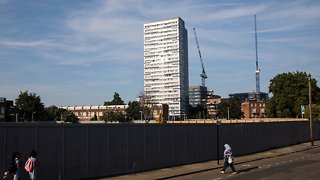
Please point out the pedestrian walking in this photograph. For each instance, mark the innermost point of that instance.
(228, 159)
(14, 167)
(16, 160)
(31, 164)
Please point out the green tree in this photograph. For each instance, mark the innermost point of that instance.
(290, 91)
(31, 107)
(113, 116)
(58, 114)
(198, 112)
(133, 111)
(116, 100)
(53, 113)
(315, 112)
(233, 105)
(68, 116)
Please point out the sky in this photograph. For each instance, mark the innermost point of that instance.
(80, 52)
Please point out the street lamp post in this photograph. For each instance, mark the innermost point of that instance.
(310, 111)
(33, 116)
(228, 114)
(141, 115)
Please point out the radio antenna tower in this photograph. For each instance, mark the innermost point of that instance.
(257, 65)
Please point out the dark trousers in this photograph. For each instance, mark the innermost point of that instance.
(226, 164)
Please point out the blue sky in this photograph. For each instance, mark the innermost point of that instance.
(81, 52)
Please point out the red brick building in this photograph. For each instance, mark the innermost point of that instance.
(254, 108)
(85, 113)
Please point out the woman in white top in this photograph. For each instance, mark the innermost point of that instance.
(33, 155)
(228, 154)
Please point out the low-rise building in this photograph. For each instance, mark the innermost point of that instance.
(8, 112)
(212, 104)
(254, 108)
(3, 108)
(200, 95)
(250, 95)
(86, 113)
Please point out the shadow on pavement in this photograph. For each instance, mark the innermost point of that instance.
(247, 169)
(185, 174)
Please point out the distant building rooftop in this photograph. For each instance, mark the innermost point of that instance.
(250, 95)
(165, 19)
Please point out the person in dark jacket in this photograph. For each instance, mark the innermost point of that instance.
(14, 168)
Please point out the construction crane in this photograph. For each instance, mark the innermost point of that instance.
(257, 65)
(203, 73)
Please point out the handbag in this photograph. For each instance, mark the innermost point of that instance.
(230, 159)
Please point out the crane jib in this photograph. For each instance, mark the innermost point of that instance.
(203, 74)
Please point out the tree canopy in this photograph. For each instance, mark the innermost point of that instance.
(315, 112)
(116, 100)
(199, 112)
(133, 110)
(68, 116)
(233, 105)
(290, 91)
(53, 113)
(58, 114)
(31, 107)
(113, 116)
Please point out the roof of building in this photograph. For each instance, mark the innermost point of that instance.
(166, 19)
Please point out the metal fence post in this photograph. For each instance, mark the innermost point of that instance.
(63, 153)
(87, 148)
(144, 145)
(5, 146)
(36, 143)
(173, 157)
(218, 156)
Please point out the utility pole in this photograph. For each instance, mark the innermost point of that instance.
(310, 112)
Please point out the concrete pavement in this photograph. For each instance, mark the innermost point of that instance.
(172, 172)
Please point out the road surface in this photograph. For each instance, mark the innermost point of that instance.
(299, 165)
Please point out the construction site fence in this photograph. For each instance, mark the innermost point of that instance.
(89, 151)
(248, 120)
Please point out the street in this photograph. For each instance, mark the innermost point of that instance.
(299, 165)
